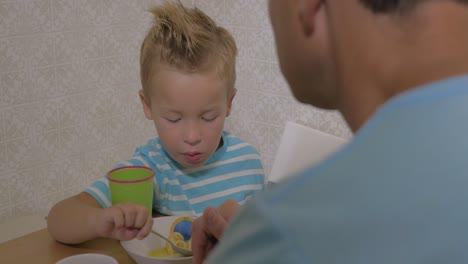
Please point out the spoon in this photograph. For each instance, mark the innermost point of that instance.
(183, 251)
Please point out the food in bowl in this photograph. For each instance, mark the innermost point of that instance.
(180, 235)
(139, 249)
(168, 251)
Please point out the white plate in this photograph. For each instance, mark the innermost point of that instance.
(88, 258)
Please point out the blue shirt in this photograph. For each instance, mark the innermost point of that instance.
(398, 193)
(234, 171)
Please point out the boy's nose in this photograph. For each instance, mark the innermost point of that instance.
(192, 135)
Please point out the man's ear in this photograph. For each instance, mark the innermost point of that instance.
(233, 94)
(146, 105)
(307, 14)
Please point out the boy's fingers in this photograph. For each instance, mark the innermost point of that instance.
(130, 215)
(128, 234)
(141, 218)
(146, 229)
(118, 219)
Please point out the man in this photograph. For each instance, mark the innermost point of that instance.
(397, 71)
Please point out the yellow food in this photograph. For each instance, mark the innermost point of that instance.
(167, 251)
(180, 235)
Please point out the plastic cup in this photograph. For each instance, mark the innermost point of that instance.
(132, 184)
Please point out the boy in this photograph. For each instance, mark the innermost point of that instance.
(187, 74)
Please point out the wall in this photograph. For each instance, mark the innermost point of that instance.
(69, 108)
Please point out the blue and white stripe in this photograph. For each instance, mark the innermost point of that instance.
(234, 172)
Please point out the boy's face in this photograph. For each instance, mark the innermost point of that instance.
(188, 110)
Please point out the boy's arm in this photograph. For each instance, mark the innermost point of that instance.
(80, 218)
(73, 220)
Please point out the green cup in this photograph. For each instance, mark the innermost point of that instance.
(132, 184)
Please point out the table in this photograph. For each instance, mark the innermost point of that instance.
(40, 248)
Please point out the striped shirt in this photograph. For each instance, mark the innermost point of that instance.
(234, 172)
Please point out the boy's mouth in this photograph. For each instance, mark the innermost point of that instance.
(193, 157)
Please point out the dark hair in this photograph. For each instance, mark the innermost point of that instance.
(389, 6)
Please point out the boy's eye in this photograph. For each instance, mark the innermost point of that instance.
(173, 120)
(209, 118)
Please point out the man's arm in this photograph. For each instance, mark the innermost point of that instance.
(252, 238)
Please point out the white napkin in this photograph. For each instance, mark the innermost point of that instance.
(301, 147)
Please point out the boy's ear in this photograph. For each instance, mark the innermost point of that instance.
(145, 104)
(307, 15)
(233, 94)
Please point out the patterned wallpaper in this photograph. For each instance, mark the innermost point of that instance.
(69, 78)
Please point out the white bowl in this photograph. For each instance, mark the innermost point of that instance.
(139, 249)
(88, 258)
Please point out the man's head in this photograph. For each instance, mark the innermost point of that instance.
(392, 6)
(304, 53)
(354, 55)
(188, 75)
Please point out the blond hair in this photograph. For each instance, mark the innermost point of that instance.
(188, 40)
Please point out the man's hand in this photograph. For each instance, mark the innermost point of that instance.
(210, 227)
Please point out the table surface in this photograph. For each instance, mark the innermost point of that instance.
(40, 248)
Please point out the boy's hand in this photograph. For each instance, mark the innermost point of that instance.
(124, 221)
